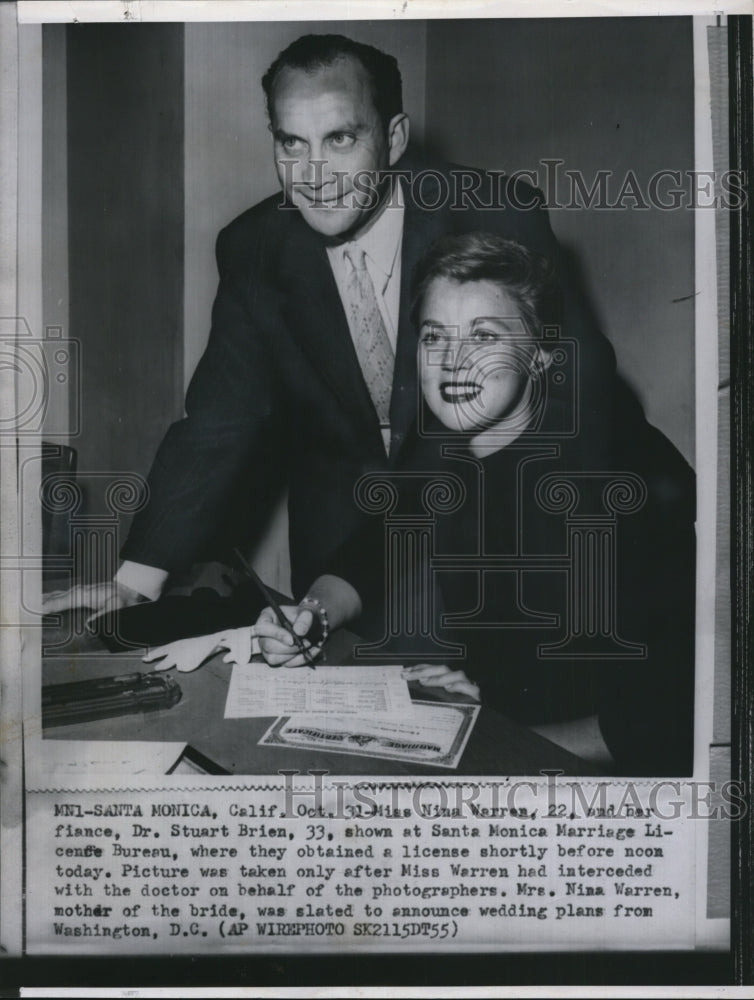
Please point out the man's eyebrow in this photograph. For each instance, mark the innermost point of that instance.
(355, 126)
(280, 134)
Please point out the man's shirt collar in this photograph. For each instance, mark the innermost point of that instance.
(381, 241)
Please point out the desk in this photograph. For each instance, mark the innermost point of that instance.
(497, 745)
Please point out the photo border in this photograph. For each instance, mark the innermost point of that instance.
(742, 487)
(573, 968)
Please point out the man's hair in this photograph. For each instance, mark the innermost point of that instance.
(312, 52)
(526, 276)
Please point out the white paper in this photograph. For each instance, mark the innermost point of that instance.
(259, 690)
(62, 760)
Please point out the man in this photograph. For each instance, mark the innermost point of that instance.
(309, 375)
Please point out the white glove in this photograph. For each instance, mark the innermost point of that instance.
(242, 644)
(188, 654)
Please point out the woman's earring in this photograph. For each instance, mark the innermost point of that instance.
(538, 365)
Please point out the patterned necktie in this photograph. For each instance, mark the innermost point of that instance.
(370, 337)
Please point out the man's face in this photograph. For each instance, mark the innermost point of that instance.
(329, 144)
(476, 358)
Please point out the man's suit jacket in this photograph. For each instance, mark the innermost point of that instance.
(279, 396)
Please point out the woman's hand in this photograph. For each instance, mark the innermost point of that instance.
(438, 675)
(276, 644)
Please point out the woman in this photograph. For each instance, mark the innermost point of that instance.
(592, 648)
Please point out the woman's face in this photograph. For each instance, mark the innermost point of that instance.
(476, 356)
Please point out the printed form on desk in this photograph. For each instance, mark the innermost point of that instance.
(258, 690)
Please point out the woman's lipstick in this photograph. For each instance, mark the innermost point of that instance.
(459, 392)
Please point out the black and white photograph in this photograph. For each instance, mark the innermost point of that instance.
(507, 512)
(367, 485)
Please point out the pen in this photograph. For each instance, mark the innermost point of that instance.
(250, 572)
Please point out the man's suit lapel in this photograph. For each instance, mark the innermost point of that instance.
(313, 312)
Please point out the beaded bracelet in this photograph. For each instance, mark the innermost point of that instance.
(321, 611)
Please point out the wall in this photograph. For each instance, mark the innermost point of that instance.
(125, 210)
(506, 95)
